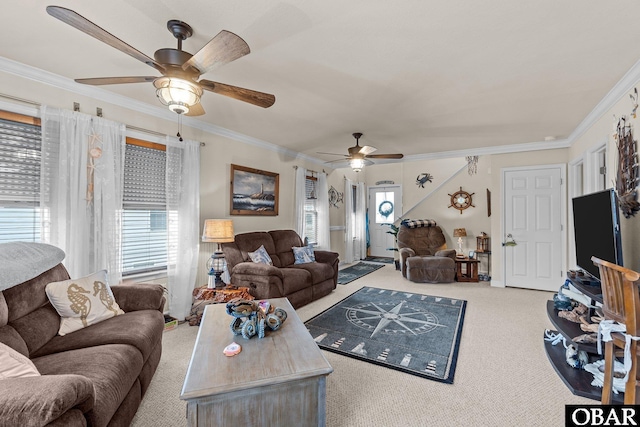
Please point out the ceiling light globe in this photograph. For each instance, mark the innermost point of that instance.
(356, 164)
(178, 94)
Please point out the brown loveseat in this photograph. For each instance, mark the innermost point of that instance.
(300, 283)
(95, 376)
(424, 257)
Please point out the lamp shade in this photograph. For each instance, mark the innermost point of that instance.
(459, 232)
(218, 231)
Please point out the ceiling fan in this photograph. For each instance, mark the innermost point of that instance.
(359, 156)
(178, 87)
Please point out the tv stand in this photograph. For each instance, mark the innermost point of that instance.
(584, 280)
(577, 380)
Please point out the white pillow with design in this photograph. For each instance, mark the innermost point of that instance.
(14, 364)
(82, 302)
(261, 256)
(303, 255)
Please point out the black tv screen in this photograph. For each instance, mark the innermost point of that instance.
(596, 225)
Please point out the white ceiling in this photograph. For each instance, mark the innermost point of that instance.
(416, 77)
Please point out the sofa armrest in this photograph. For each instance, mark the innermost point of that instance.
(139, 296)
(36, 401)
(326, 257)
(450, 253)
(257, 269)
(404, 254)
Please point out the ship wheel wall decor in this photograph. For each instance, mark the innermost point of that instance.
(461, 200)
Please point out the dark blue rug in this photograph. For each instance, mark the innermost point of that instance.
(413, 333)
(382, 259)
(356, 271)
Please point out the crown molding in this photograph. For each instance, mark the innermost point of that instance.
(624, 85)
(69, 85)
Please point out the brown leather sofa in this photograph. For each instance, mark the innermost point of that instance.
(424, 257)
(300, 283)
(95, 376)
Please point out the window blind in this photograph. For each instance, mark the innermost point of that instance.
(144, 220)
(20, 149)
(310, 211)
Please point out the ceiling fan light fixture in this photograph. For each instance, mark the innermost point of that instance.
(356, 164)
(178, 94)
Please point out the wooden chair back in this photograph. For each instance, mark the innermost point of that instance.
(620, 296)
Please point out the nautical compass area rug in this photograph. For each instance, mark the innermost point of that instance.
(414, 333)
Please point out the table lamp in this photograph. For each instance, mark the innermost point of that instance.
(460, 233)
(217, 231)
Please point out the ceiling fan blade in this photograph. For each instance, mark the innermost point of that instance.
(222, 49)
(346, 161)
(384, 156)
(97, 81)
(72, 18)
(195, 110)
(367, 149)
(260, 99)
(333, 154)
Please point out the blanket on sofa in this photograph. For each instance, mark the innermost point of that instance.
(22, 261)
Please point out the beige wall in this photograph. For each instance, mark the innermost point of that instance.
(432, 201)
(220, 152)
(602, 132)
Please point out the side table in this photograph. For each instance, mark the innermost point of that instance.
(204, 296)
(469, 273)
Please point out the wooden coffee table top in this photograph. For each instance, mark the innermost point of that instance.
(284, 355)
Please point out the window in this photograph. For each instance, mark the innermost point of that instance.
(19, 178)
(310, 211)
(144, 218)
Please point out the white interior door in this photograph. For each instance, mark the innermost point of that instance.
(533, 214)
(385, 206)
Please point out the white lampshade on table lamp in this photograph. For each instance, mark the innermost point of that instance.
(460, 233)
(217, 231)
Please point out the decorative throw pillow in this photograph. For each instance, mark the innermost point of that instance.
(303, 254)
(14, 364)
(82, 302)
(261, 256)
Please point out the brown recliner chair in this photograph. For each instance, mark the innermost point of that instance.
(424, 256)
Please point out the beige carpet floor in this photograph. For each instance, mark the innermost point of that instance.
(503, 377)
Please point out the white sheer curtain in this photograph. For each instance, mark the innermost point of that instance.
(360, 229)
(322, 208)
(349, 221)
(183, 222)
(300, 198)
(81, 190)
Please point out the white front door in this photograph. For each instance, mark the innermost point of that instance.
(534, 209)
(385, 206)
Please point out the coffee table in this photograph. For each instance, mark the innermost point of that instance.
(278, 380)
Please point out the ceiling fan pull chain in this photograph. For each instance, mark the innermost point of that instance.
(179, 128)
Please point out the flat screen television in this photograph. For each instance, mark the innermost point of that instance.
(596, 223)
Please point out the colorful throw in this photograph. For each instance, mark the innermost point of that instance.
(413, 333)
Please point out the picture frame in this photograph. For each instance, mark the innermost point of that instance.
(472, 254)
(253, 191)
